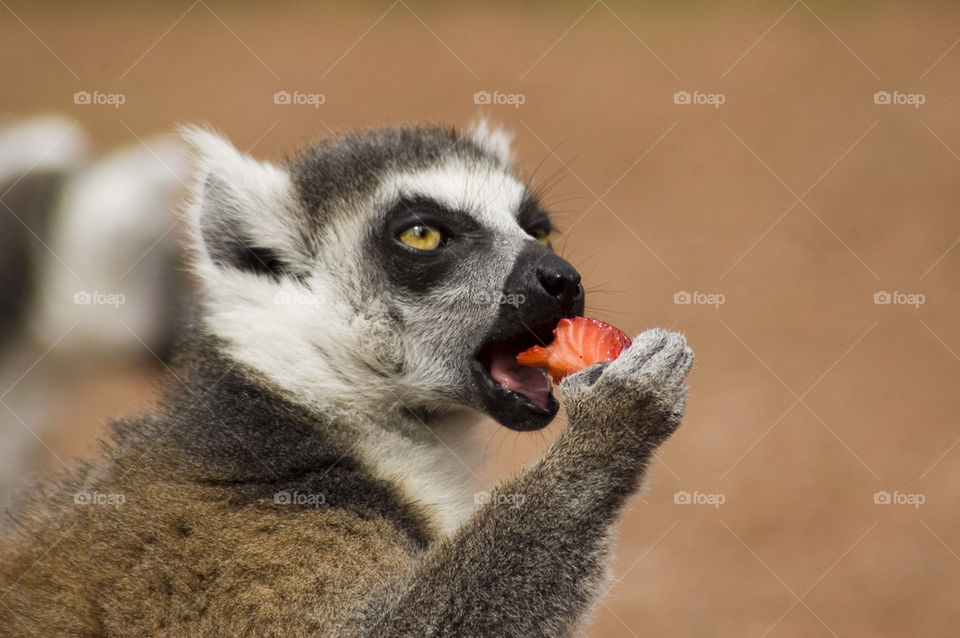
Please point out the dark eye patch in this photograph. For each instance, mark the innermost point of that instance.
(533, 219)
(418, 209)
(419, 271)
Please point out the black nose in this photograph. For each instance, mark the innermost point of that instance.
(560, 280)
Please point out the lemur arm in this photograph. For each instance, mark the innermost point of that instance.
(531, 561)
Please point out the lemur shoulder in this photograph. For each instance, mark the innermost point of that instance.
(308, 471)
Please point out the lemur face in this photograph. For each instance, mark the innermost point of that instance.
(400, 268)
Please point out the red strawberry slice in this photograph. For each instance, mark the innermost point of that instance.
(578, 343)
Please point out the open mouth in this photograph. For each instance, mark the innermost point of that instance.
(517, 396)
(513, 386)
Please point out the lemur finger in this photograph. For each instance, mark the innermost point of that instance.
(656, 360)
(645, 346)
(679, 367)
(593, 373)
(573, 386)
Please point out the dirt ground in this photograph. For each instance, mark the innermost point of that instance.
(779, 214)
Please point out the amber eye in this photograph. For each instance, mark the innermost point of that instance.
(422, 237)
(543, 238)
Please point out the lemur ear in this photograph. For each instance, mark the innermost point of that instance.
(244, 214)
(494, 139)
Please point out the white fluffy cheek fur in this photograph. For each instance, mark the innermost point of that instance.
(303, 339)
(329, 342)
(306, 345)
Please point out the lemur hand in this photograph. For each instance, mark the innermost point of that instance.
(636, 401)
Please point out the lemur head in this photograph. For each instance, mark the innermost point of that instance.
(395, 269)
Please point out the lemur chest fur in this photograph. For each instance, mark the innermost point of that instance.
(308, 472)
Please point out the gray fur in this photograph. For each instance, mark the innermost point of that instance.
(352, 165)
(535, 569)
(341, 401)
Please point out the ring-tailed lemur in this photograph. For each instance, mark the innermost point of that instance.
(305, 475)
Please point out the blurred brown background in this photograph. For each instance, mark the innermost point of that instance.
(793, 203)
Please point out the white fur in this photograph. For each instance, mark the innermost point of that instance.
(260, 194)
(490, 194)
(277, 340)
(494, 139)
(309, 340)
(435, 472)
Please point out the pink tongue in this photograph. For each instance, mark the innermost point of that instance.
(532, 383)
